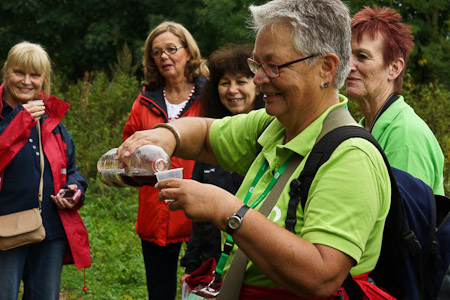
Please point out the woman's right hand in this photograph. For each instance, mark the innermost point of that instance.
(160, 137)
(35, 108)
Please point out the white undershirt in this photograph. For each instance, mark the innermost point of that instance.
(173, 110)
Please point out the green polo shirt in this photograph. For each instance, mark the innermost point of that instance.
(348, 200)
(410, 145)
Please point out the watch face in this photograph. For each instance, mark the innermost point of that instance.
(234, 222)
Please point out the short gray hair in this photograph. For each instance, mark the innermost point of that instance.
(320, 26)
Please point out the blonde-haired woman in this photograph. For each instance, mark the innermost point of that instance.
(26, 77)
(174, 74)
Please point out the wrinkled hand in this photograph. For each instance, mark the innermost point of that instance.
(159, 137)
(199, 201)
(62, 203)
(36, 109)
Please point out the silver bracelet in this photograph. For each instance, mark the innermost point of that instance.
(174, 131)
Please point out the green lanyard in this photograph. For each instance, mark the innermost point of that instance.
(229, 243)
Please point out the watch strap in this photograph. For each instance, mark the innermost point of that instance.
(239, 214)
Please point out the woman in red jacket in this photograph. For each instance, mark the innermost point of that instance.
(25, 74)
(174, 75)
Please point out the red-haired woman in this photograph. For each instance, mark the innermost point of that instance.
(381, 44)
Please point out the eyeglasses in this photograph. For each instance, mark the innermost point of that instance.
(156, 53)
(272, 69)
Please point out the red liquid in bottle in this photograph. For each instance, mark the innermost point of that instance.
(145, 180)
(128, 180)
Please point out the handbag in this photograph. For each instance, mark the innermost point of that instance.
(24, 227)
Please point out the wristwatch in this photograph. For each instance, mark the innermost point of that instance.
(235, 221)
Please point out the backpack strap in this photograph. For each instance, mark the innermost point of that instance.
(398, 234)
(299, 187)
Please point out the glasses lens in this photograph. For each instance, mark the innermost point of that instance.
(253, 66)
(156, 53)
(271, 70)
(171, 50)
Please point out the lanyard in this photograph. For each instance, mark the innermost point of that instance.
(229, 243)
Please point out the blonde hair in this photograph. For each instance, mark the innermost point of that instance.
(195, 67)
(31, 58)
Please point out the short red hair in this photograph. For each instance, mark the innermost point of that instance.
(398, 40)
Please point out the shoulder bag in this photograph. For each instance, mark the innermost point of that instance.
(24, 227)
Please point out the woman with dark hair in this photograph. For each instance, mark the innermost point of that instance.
(229, 91)
(174, 74)
(381, 44)
(227, 64)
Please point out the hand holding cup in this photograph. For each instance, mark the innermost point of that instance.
(36, 108)
(172, 173)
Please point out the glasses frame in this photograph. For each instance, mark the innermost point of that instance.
(251, 63)
(164, 51)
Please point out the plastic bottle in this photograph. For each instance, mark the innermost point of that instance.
(141, 169)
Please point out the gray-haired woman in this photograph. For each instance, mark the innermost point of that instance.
(300, 60)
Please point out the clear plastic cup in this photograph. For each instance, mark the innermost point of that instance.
(36, 101)
(172, 173)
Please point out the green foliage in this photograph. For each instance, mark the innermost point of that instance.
(98, 112)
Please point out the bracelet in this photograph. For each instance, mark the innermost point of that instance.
(174, 131)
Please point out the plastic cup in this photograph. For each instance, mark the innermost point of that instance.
(172, 173)
(36, 101)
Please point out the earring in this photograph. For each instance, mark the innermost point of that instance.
(325, 85)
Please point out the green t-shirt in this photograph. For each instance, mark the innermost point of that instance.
(348, 200)
(410, 145)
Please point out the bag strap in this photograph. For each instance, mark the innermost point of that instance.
(41, 154)
(232, 283)
(299, 188)
(231, 286)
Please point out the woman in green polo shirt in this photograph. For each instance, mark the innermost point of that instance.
(300, 60)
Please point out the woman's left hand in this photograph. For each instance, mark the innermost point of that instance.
(199, 201)
(62, 203)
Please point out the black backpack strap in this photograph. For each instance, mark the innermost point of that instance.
(394, 221)
(337, 117)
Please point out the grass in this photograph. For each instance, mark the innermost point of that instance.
(117, 270)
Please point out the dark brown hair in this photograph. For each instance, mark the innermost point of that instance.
(231, 59)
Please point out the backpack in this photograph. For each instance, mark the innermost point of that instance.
(415, 253)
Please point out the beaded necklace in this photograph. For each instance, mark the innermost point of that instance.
(179, 107)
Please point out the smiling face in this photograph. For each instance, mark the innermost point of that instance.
(23, 86)
(170, 65)
(237, 93)
(290, 95)
(369, 76)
